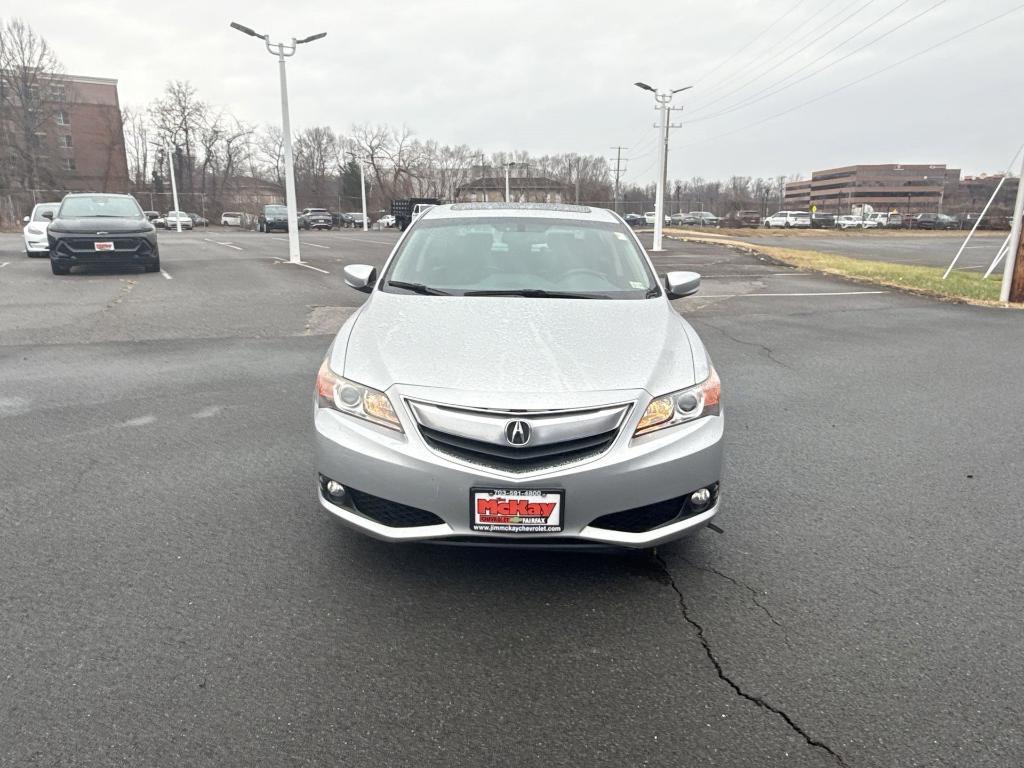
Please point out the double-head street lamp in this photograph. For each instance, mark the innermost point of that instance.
(662, 100)
(282, 51)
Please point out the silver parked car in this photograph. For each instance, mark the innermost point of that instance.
(519, 375)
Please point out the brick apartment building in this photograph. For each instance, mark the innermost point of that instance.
(88, 137)
(908, 189)
(78, 145)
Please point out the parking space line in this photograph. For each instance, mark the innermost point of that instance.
(227, 244)
(303, 242)
(4, 264)
(300, 264)
(812, 293)
(165, 274)
(367, 240)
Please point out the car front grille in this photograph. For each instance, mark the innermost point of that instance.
(391, 513)
(86, 246)
(510, 459)
(558, 438)
(651, 516)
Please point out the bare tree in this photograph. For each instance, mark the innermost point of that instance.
(31, 96)
(270, 153)
(137, 137)
(178, 118)
(316, 163)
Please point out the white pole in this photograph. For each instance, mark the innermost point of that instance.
(174, 188)
(1011, 255)
(999, 257)
(289, 167)
(362, 183)
(659, 199)
(974, 228)
(507, 166)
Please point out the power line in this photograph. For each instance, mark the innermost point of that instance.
(808, 19)
(859, 80)
(774, 90)
(786, 57)
(746, 47)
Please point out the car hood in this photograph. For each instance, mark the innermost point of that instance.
(92, 225)
(516, 345)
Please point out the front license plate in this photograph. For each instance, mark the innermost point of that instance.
(103, 246)
(512, 510)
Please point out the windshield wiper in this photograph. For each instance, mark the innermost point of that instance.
(426, 290)
(538, 293)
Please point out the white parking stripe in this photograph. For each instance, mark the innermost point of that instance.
(317, 246)
(164, 273)
(813, 293)
(4, 264)
(367, 240)
(227, 244)
(300, 264)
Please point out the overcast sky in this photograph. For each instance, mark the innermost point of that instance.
(556, 76)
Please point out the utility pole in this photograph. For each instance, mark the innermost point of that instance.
(174, 190)
(282, 51)
(1012, 289)
(663, 101)
(579, 161)
(618, 173)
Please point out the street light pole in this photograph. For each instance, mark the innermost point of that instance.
(174, 189)
(362, 185)
(663, 101)
(507, 195)
(282, 51)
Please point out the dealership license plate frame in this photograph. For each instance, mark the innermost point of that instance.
(103, 245)
(517, 529)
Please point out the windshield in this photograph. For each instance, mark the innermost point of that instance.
(519, 254)
(275, 209)
(37, 214)
(82, 206)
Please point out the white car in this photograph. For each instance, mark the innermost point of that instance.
(231, 219)
(789, 219)
(651, 216)
(36, 243)
(173, 218)
(855, 222)
(419, 209)
(387, 220)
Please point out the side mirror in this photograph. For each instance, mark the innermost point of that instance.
(680, 284)
(48, 215)
(360, 276)
(25, 219)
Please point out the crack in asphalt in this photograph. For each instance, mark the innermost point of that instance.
(767, 350)
(669, 579)
(754, 594)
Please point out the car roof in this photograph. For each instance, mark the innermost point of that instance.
(519, 210)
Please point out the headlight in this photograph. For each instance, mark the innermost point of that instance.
(339, 394)
(34, 230)
(703, 399)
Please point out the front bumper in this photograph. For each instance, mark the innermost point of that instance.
(632, 474)
(36, 244)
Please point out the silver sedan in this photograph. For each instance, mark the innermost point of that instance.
(518, 375)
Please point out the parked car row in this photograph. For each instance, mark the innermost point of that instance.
(171, 219)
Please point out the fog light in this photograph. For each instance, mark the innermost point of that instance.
(700, 499)
(335, 489)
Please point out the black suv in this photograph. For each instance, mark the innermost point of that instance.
(101, 229)
(934, 221)
(273, 217)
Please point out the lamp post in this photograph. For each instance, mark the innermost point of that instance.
(362, 185)
(282, 51)
(508, 165)
(662, 100)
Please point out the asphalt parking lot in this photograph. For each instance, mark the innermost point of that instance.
(172, 594)
(933, 250)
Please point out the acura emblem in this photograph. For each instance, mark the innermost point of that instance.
(517, 432)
